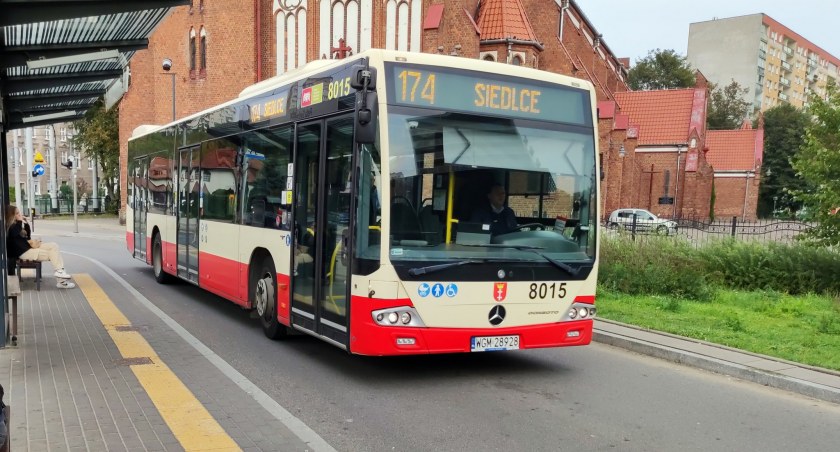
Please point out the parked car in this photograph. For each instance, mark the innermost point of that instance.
(645, 221)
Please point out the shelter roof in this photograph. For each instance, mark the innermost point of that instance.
(57, 58)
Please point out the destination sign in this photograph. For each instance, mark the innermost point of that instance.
(483, 93)
(315, 95)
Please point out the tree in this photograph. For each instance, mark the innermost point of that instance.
(818, 165)
(98, 134)
(727, 107)
(784, 133)
(661, 69)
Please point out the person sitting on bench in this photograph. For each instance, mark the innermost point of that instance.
(19, 245)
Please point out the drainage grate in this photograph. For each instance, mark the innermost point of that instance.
(134, 361)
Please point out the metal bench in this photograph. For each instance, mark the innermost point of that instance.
(21, 264)
(13, 287)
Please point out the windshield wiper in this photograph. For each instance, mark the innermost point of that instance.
(417, 271)
(535, 249)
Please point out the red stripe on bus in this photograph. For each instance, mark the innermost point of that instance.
(284, 307)
(222, 276)
(230, 280)
(148, 250)
(588, 299)
(368, 338)
(129, 242)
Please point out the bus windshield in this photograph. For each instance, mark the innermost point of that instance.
(467, 187)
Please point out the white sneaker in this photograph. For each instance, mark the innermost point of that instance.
(62, 274)
(65, 285)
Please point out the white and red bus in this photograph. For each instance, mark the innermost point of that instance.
(344, 200)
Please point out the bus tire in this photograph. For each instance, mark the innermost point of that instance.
(157, 262)
(265, 299)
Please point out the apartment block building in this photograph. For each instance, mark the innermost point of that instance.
(44, 139)
(775, 63)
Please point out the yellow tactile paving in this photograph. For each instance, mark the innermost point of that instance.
(189, 421)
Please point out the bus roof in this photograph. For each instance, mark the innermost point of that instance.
(380, 55)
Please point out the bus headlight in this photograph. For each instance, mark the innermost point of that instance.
(402, 316)
(580, 311)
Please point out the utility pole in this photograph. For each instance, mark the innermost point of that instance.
(95, 183)
(16, 166)
(53, 184)
(75, 202)
(30, 194)
(72, 164)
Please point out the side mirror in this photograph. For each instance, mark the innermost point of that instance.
(360, 72)
(367, 112)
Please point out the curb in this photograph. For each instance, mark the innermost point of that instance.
(719, 366)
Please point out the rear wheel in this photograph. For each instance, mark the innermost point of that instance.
(157, 262)
(264, 285)
(662, 230)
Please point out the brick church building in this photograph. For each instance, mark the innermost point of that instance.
(219, 47)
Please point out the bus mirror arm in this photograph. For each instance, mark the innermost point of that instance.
(362, 73)
(364, 80)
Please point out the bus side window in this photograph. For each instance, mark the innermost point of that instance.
(267, 153)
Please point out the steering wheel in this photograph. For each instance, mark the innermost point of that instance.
(540, 226)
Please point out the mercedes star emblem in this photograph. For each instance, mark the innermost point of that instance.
(497, 315)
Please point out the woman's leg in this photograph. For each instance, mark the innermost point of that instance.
(46, 252)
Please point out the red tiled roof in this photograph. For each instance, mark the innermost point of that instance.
(732, 150)
(501, 19)
(663, 116)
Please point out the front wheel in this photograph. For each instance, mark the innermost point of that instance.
(662, 230)
(157, 262)
(265, 300)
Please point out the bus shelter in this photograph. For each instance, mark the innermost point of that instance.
(57, 59)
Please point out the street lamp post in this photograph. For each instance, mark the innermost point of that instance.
(167, 65)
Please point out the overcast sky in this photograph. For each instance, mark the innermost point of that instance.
(632, 28)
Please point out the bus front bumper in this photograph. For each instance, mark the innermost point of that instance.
(368, 338)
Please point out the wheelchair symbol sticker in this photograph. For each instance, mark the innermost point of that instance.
(451, 290)
(423, 290)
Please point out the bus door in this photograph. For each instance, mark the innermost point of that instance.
(189, 199)
(140, 205)
(322, 192)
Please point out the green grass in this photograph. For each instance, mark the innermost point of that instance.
(803, 329)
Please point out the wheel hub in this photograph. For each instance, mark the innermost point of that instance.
(261, 297)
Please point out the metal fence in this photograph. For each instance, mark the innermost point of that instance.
(699, 232)
(64, 206)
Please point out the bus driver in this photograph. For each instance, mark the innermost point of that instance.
(500, 217)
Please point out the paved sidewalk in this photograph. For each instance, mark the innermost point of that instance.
(807, 380)
(73, 383)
